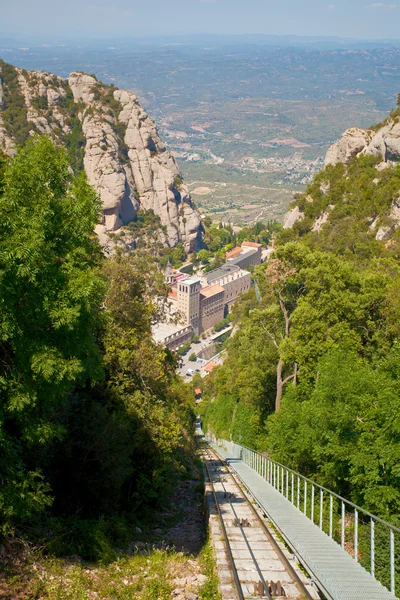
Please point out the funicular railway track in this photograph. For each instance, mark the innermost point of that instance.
(258, 566)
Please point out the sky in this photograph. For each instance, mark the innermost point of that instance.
(109, 18)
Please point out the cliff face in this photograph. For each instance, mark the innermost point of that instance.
(381, 141)
(108, 134)
(356, 198)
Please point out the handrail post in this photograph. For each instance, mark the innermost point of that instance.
(305, 497)
(283, 480)
(321, 509)
(292, 495)
(372, 546)
(356, 534)
(392, 565)
(298, 492)
(312, 503)
(342, 537)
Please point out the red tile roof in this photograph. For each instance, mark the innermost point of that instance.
(252, 244)
(210, 366)
(233, 253)
(197, 391)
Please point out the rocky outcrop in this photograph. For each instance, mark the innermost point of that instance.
(366, 200)
(386, 231)
(322, 219)
(292, 216)
(383, 141)
(118, 145)
(352, 142)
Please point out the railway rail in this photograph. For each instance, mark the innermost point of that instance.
(254, 565)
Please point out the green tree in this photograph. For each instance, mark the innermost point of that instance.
(344, 431)
(49, 298)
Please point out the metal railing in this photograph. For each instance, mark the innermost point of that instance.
(370, 540)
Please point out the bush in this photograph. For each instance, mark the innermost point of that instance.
(222, 324)
(184, 349)
(193, 357)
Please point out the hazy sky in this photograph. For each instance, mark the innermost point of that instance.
(97, 18)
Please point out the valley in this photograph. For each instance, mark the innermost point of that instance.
(250, 119)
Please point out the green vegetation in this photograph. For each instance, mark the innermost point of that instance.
(209, 591)
(223, 324)
(220, 239)
(40, 103)
(312, 374)
(147, 576)
(94, 420)
(193, 356)
(358, 195)
(74, 141)
(14, 111)
(184, 349)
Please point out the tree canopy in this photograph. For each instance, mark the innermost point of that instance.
(313, 364)
(93, 418)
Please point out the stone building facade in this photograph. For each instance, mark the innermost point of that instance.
(202, 303)
(250, 253)
(232, 278)
(212, 306)
(188, 301)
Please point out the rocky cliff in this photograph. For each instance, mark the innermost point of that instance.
(382, 141)
(356, 198)
(110, 136)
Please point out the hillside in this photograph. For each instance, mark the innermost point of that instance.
(312, 375)
(353, 204)
(110, 136)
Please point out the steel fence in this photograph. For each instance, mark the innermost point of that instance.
(370, 540)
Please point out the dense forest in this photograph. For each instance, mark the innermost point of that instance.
(312, 375)
(95, 424)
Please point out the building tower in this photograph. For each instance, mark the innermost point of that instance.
(189, 302)
(169, 274)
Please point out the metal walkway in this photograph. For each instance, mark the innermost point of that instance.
(336, 572)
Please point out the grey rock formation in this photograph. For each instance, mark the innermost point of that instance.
(384, 142)
(149, 178)
(352, 142)
(292, 216)
(324, 218)
(386, 231)
(124, 158)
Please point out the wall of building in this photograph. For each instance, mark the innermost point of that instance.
(212, 310)
(246, 259)
(234, 286)
(188, 303)
(174, 341)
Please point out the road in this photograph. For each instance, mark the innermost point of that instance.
(197, 348)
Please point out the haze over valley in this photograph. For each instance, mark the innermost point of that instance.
(249, 118)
